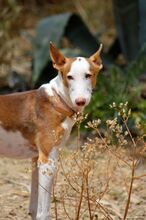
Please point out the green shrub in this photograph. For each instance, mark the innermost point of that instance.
(120, 85)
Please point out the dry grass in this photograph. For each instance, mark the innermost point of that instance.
(86, 185)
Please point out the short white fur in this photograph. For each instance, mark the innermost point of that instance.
(57, 84)
(80, 86)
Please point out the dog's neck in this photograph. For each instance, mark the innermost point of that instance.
(60, 105)
(61, 89)
(58, 85)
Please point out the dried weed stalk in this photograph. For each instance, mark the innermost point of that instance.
(85, 184)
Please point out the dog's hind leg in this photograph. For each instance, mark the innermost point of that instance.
(46, 173)
(34, 190)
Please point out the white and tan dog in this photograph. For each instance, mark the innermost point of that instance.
(36, 123)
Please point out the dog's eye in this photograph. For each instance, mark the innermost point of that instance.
(70, 77)
(88, 76)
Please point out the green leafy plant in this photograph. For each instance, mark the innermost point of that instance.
(120, 85)
(130, 23)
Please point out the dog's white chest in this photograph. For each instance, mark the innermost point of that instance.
(67, 125)
(14, 145)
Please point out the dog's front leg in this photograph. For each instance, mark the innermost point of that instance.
(34, 190)
(46, 172)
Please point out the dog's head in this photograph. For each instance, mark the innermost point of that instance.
(78, 75)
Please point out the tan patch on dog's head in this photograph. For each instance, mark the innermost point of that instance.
(64, 70)
(60, 62)
(95, 65)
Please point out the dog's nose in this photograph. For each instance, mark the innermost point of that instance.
(80, 101)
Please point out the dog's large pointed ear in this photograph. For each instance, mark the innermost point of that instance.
(96, 60)
(57, 57)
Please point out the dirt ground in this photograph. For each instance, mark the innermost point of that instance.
(15, 180)
(14, 189)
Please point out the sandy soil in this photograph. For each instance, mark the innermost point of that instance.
(14, 191)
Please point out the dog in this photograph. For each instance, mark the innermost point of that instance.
(36, 123)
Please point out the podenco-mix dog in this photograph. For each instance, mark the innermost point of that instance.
(35, 124)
